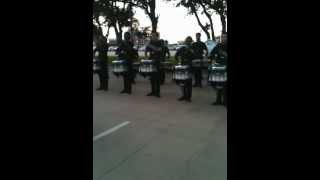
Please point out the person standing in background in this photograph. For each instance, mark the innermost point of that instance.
(165, 55)
(184, 56)
(219, 55)
(198, 47)
(127, 53)
(154, 48)
(101, 52)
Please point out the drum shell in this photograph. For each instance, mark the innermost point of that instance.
(147, 67)
(181, 73)
(217, 75)
(119, 67)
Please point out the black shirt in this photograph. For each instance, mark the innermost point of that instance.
(198, 48)
(186, 54)
(102, 47)
(219, 53)
(156, 49)
(155, 54)
(165, 52)
(127, 52)
(102, 60)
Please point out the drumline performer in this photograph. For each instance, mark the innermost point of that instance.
(165, 55)
(154, 48)
(127, 53)
(186, 55)
(219, 56)
(199, 47)
(101, 53)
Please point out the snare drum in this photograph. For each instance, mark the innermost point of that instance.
(181, 73)
(147, 67)
(217, 75)
(119, 67)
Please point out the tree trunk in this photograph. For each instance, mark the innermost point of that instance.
(223, 23)
(152, 15)
(107, 35)
(118, 34)
(210, 20)
(99, 29)
(199, 22)
(154, 24)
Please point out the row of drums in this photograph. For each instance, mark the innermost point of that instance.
(217, 72)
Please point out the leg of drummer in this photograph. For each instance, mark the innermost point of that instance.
(157, 84)
(128, 84)
(200, 78)
(134, 77)
(106, 88)
(124, 84)
(152, 82)
(219, 97)
(129, 80)
(101, 81)
(183, 92)
(105, 81)
(189, 90)
(225, 95)
(162, 76)
(195, 77)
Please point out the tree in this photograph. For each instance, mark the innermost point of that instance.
(208, 13)
(149, 6)
(193, 7)
(220, 7)
(114, 13)
(206, 7)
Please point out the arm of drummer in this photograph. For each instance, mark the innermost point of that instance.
(211, 57)
(205, 49)
(177, 56)
(118, 50)
(168, 53)
(146, 51)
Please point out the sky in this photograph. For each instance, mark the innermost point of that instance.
(174, 23)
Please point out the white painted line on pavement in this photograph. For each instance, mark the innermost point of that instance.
(109, 131)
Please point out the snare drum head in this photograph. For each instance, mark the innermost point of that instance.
(181, 67)
(116, 62)
(146, 61)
